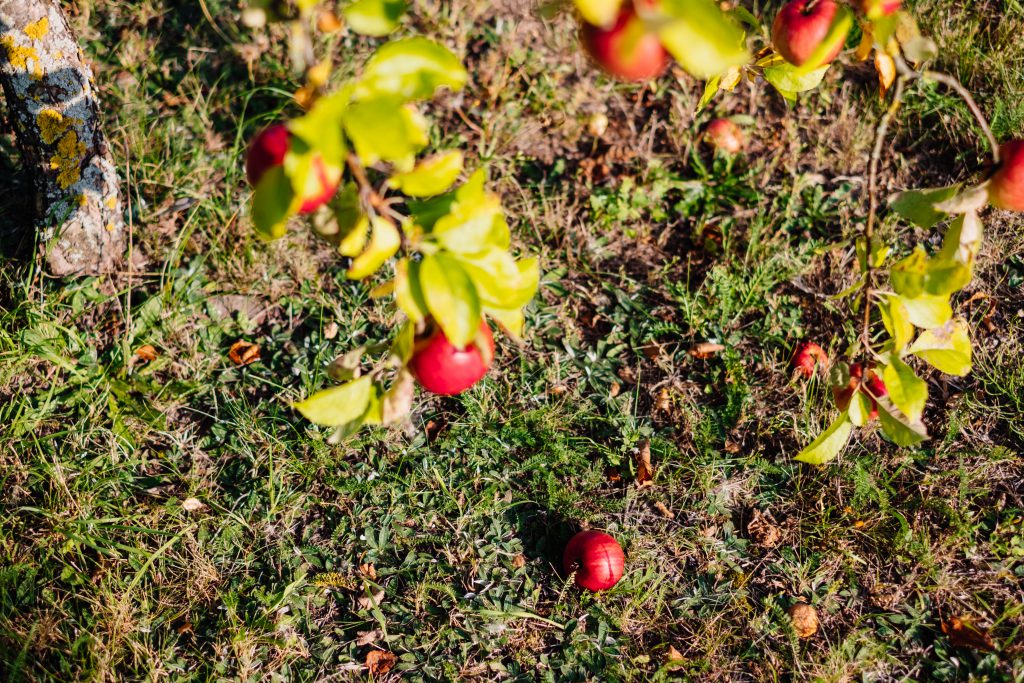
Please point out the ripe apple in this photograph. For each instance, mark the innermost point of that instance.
(874, 388)
(807, 356)
(441, 368)
(876, 9)
(626, 49)
(1006, 187)
(268, 150)
(801, 26)
(596, 558)
(725, 135)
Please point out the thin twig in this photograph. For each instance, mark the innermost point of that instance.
(869, 229)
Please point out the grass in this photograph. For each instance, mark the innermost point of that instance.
(176, 520)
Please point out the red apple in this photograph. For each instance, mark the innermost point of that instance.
(725, 135)
(1006, 187)
(876, 9)
(596, 558)
(441, 368)
(807, 356)
(801, 26)
(626, 49)
(268, 150)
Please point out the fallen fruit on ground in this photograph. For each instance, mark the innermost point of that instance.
(725, 135)
(626, 49)
(441, 368)
(1006, 187)
(807, 356)
(268, 150)
(801, 26)
(597, 559)
(804, 619)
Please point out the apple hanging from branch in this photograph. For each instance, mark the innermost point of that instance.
(1006, 187)
(810, 33)
(269, 149)
(441, 368)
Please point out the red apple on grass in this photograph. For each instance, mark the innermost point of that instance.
(801, 26)
(807, 357)
(1006, 187)
(441, 368)
(725, 135)
(626, 49)
(268, 150)
(596, 558)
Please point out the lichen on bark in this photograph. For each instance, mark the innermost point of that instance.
(50, 97)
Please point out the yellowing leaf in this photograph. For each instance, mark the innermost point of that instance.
(830, 444)
(512, 321)
(431, 176)
(919, 206)
(897, 427)
(886, 68)
(273, 202)
(928, 311)
(385, 128)
(500, 280)
(897, 322)
(408, 293)
(599, 12)
(948, 348)
(339, 405)
(385, 240)
(411, 69)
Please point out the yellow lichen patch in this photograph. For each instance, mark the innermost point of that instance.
(18, 55)
(68, 160)
(111, 203)
(38, 29)
(52, 125)
(82, 200)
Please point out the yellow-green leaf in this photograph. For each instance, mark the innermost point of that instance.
(907, 391)
(703, 39)
(512, 321)
(408, 293)
(500, 280)
(947, 348)
(897, 322)
(830, 444)
(411, 69)
(897, 427)
(599, 12)
(918, 206)
(339, 405)
(375, 18)
(385, 240)
(385, 128)
(789, 79)
(431, 176)
(928, 311)
(451, 297)
(273, 202)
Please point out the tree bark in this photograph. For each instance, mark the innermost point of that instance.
(49, 91)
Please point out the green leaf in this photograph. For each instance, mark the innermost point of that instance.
(451, 298)
(947, 349)
(599, 12)
(273, 202)
(790, 80)
(703, 39)
(375, 18)
(386, 128)
(927, 311)
(339, 405)
(411, 69)
(830, 444)
(907, 391)
(431, 176)
(500, 280)
(896, 426)
(512, 321)
(908, 275)
(710, 90)
(918, 206)
(963, 239)
(402, 346)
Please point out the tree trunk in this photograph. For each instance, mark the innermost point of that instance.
(49, 92)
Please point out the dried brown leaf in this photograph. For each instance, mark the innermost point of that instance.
(644, 470)
(963, 632)
(146, 353)
(379, 662)
(244, 353)
(706, 350)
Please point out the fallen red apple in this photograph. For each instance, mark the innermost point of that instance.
(626, 49)
(876, 9)
(441, 368)
(725, 135)
(1006, 187)
(807, 357)
(268, 150)
(596, 558)
(801, 26)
